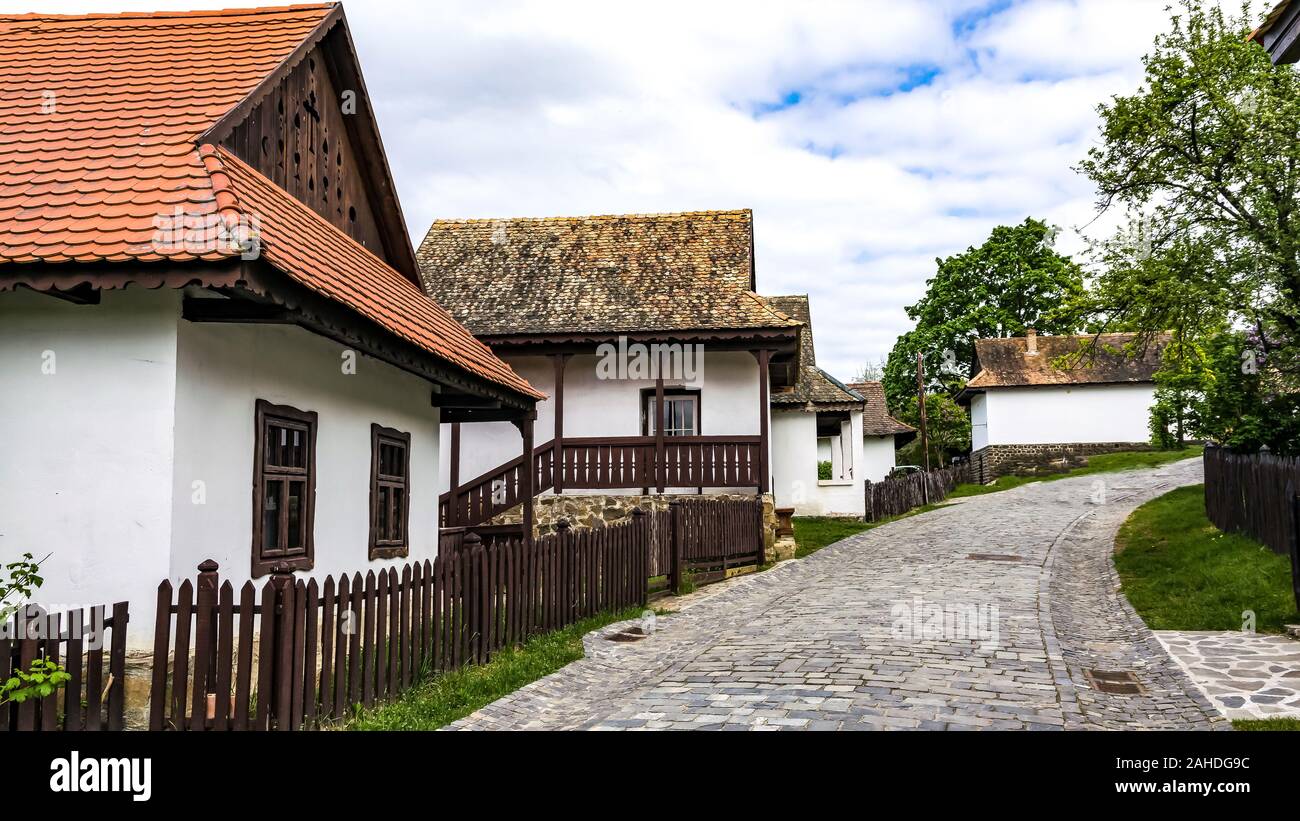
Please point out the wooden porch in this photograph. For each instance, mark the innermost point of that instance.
(650, 463)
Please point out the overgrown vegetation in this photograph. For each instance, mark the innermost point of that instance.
(1180, 573)
(1101, 463)
(446, 697)
(43, 676)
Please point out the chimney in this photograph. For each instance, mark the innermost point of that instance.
(1031, 342)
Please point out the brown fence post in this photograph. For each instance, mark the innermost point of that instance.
(279, 699)
(675, 554)
(762, 536)
(642, 524)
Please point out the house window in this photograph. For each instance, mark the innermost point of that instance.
(284, 488)
(390, 492)
(681, 413)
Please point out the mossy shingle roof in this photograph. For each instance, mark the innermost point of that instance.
(602, 274)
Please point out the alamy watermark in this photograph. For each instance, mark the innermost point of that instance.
(921, 620)
(645, 361)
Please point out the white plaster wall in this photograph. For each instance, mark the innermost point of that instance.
(795, 453)
(794, 462)
(86, 451)
(729, 404)
(223, 369)
(979, 422)
(878, 457)
(1080, 413)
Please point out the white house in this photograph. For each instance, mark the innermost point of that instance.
(213, 339)
(882, 434)
(1044, 402)
(646, 334)
(818, 459)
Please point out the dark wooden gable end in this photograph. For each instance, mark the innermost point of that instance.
(1282, 39)
(309, 128)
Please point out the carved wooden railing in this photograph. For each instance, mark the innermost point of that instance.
(608, 463)
(495, 492)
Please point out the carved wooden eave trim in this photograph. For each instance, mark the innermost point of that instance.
(259, 282)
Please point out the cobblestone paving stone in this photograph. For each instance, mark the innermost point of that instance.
(1244, 675)
(821, 643)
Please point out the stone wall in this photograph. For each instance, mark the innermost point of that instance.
(599, 510)
(993, 461)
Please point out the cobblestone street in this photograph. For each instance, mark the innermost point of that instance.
(997, 612)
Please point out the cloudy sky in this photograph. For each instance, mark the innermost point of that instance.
(868, 137)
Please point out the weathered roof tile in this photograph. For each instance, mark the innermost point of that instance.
(602, 274)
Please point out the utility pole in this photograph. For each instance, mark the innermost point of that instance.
(925, 439)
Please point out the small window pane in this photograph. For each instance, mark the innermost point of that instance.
(271, 514)
(297, 511)
(399, 501)
(381, 514)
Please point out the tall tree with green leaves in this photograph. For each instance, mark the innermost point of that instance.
(1205, 158)
(1015, 280)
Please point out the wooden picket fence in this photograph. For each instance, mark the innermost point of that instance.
(894, 497)
(79, 641)
(1252, 493)
(708, 538)
(293, 654)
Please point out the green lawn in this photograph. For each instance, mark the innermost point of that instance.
(812, 533)
(1266, 724)
(1181, 573)
(443, 698)
(1101, 463)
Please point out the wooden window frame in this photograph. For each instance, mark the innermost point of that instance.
(389, 548)
(648, 395)
(269, 412)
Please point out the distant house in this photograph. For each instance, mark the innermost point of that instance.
(1031, 410)
(657, 356)
(213, 340)
(1280, 32)
(882, 434)
(816, 422)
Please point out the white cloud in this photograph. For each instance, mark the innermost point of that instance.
(548, 108)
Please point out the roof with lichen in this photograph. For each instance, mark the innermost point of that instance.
(601, 274)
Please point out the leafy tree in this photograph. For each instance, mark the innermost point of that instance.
(1206, 158)
(1014, 281)
(947, 429)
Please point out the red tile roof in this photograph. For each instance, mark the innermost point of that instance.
(99, 120)
(303, 244)
(99, 116)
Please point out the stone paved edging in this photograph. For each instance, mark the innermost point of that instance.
(812, 644)
(1243, 675)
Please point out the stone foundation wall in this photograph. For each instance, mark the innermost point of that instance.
(599, 510)
(993, 461)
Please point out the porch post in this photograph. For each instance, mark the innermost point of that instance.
(764, 358)
(557, 457)
(453, 502)
(661, 470)
(528, 475)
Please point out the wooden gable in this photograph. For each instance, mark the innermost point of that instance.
(309, 129)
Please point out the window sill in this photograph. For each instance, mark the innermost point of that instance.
(262, 567)
(836, 482)
(389, 552)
